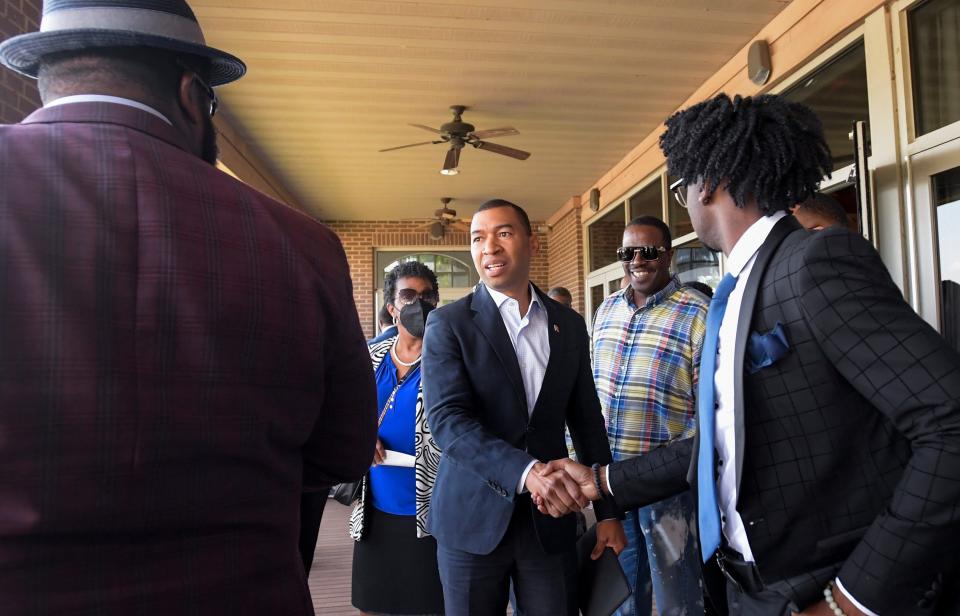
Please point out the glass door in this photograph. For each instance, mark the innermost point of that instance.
(601, 284)
(935, 191)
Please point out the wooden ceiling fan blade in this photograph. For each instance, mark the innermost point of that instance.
(427, 128)
(453, 158)
(502, 149)
(493, 133)
(410, 145)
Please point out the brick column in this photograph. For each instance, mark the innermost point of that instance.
(18, 94)
(565, 257)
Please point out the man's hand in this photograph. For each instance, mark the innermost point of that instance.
(610, 534)
(582, 475)
(820, 608)
(379, 453)
(555, 494)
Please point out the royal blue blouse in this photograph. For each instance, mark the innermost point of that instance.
(393, 488)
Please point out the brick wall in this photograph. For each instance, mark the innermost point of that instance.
(18, 94)
(605, 237)
(362, 238)
(565, 257)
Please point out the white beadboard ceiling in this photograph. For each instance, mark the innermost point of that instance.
(330, 83)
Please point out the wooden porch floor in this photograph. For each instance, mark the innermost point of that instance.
(332, 563)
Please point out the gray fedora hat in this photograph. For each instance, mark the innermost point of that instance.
(77, 25)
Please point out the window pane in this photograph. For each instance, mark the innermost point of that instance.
(458, 263)
(606, 236)
(679, 222)
(946, 192)
(935, 63)
(647, 202)
(596, 296)
(694, 263)
(837, 93)
(444, 280)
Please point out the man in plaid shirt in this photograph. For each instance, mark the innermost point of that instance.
(646, 351)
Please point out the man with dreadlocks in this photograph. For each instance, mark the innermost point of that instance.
(826, 464)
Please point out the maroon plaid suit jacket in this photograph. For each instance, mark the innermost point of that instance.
(179, 357)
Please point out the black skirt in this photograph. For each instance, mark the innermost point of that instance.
(393, 571)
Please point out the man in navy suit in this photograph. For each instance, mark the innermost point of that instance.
(504, 370)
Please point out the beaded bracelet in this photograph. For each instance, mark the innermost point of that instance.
(596, 480)
(831, 602)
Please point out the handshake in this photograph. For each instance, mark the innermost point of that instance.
(561, 486)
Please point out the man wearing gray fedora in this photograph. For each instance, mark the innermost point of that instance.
(180, 356)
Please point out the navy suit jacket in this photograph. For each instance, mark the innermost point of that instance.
(477, 411)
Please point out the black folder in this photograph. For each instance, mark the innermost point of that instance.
(603, 585)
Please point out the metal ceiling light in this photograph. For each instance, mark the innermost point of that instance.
(452, 160)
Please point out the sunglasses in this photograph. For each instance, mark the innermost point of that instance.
(679, 190)
(408, 296)
(214, 101)
(647, 253)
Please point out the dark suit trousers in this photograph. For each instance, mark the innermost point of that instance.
(764, 603)
(312, 505)
(478, 585)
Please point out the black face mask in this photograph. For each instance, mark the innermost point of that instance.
(413, 317)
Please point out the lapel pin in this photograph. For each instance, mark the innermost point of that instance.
(556, 328)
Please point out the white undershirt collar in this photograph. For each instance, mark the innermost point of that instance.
(103, 98)
(750, 242)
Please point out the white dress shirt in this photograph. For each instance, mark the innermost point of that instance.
(739, 264)
(103, 98)
(530, 336)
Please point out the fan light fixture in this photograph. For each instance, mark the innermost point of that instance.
(436, 231)
(452, 161)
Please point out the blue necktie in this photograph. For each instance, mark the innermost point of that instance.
(708, 514)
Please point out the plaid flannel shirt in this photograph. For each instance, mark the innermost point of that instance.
(645, 364)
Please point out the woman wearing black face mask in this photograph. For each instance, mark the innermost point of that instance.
(394, 559)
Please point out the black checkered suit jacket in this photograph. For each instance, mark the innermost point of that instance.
(849, 444)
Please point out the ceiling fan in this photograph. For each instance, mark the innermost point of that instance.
(446, 218)
(459, 134)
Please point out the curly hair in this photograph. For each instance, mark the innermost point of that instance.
(407, 269)
(764, 147)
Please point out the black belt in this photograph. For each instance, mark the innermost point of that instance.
(742, 574)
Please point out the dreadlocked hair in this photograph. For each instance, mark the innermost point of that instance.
(764, 147)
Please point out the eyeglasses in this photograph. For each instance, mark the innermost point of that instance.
(211, 94)
(214, 101)
(679, 190)
(647, 253)
(408, 296)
